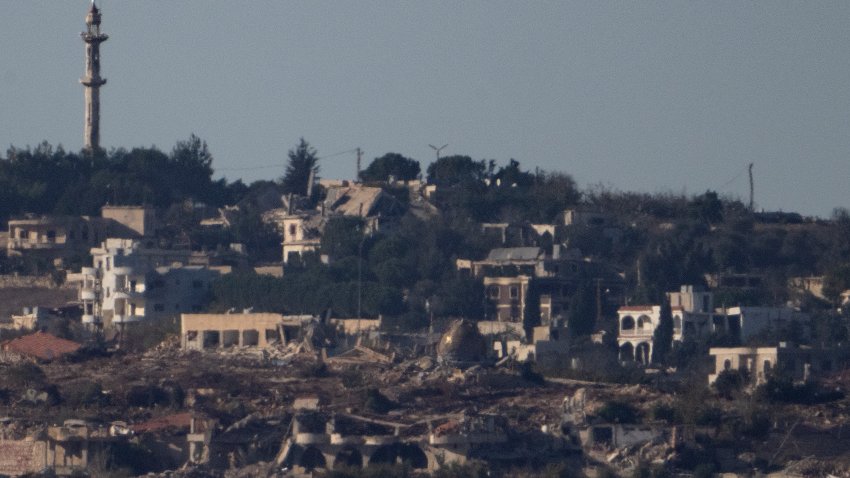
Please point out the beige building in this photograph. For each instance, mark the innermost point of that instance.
(798, 363)
(61, 237)
(214, 331)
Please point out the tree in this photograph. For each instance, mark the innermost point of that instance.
(662, 338)
(342, 237)
(582, 313)
(706, 208)
(452, 170)
(391, 164)
(302, 161)
(531, 314)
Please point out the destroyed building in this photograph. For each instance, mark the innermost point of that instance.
(462, 344)
(261, 330)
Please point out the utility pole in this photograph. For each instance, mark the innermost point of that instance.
(598, 301)
(359, 157)
(752, 189)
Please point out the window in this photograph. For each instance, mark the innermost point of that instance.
(292, 230)
(514, 292)
(51, 236)
(493, 292)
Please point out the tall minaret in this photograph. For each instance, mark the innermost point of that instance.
(92, 81)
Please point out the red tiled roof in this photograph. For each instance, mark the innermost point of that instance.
(634, 308)
(178, 420)
(41, 345)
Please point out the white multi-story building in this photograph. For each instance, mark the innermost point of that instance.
(692, 318)
(129, 283)
(695, 317)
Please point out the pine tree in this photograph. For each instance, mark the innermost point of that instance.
(302, 160)
(662, 338)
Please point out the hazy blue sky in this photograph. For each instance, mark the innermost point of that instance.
(649, 96)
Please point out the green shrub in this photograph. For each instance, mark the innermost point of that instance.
(617, 412)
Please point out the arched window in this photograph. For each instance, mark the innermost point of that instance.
(628, 323)
(727, 364)
(644, 322)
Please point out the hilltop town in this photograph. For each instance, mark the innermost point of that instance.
(475, 318)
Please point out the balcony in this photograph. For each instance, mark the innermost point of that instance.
(636, 333)
(126, 319)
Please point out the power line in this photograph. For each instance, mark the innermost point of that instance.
(733, 179)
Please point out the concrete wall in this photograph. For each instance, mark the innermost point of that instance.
(138, 219)
(224, 330)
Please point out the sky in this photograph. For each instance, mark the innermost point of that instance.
(648, 96)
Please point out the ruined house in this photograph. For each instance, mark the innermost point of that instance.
(261, 330)
(462, 344)
(38, 346)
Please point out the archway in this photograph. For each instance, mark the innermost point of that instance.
(412, 455)
(627, 323)
(348, 457)
(386, 454)
(627, 352)
(644, 322)
(642, 353)
(312, 458)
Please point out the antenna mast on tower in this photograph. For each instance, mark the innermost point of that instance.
(752, 189)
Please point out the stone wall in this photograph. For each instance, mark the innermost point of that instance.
(18, 457)
(13, 281)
